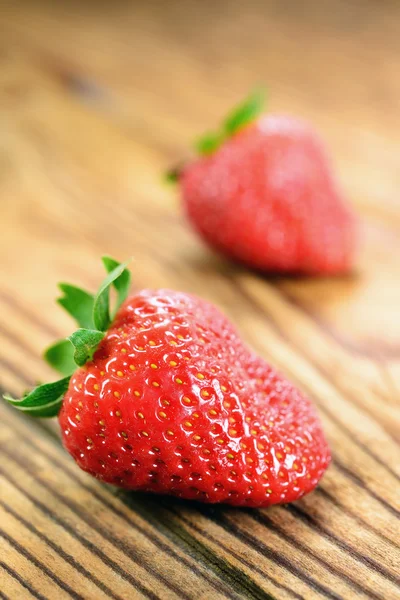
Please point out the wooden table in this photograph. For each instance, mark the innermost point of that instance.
(97, 99)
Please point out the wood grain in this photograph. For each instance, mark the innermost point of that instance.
(96, 101)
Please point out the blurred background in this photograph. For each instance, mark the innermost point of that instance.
(99, 99)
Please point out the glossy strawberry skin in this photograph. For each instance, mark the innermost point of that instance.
(174, 402)
(267, 198)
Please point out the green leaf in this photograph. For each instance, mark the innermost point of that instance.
(101, 309)
(44, 401)
(122, 283)
(92, 314)
(209, 143)
(78, 303)
(172, 176)
(245, 113)
(85, 342)
(239, 118)
(60, 356)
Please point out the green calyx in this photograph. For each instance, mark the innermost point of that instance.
(93, 316)
(241, 116)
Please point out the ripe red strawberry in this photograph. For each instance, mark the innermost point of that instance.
(262, 192)
(174, 402)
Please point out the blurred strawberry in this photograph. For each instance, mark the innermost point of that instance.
(262, 192)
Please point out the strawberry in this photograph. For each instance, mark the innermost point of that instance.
(262, 193)
(170, 400)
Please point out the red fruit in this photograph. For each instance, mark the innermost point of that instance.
(174, 402)
(267, 198)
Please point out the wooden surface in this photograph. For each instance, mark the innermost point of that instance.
(97, 99)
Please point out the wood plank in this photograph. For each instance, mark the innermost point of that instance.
(96, 102)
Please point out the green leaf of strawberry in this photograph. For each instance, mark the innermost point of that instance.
(78, 303)
(121, 282)
(44, 401)
(209, 143)
(120, 278)
(66, 355)
(60, 356)
(241, 116)
(172, 176)
(246, 113)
